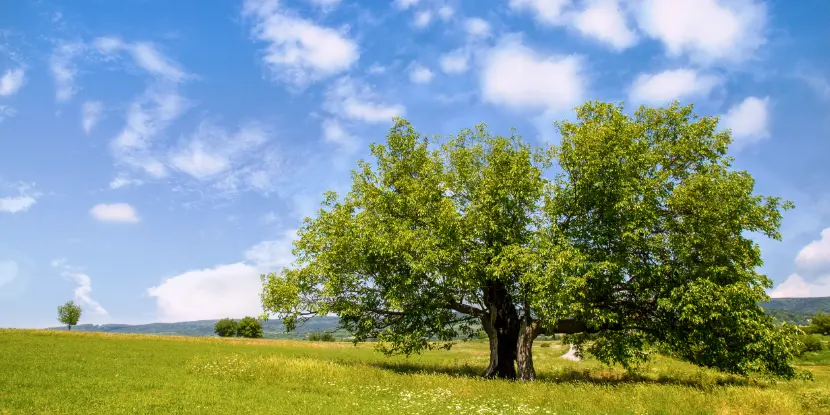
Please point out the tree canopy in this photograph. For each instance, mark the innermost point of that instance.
(226, 327)
(249, 327)
(636, 243)
(69, 313)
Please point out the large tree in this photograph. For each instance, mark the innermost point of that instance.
(638, 244)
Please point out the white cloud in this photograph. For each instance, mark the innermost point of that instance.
(211, 150)
(705, 30)
(145, 55)
(816, 255)
(334, 132)
(455, 62)
(749, 120)
(116, 212)
(795, 286)
(405, 4)
(11, 81)
(230, 290)
(299, 52)
(350, 99)
(83, 290)
(676, 84)
(519, 77)
(545, 11)
(122, 181)
(604, 20)
(90, 115)
(422, 19)
(6, 112)
(325, 4)
(26, 198)
(147, 117)
(477, 27)
(445, 12)
(420, 74)
(64, 70)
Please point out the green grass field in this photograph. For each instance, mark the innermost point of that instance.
(53, 372)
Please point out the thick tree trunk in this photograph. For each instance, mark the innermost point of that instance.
(524, 353)
(69, 327)
(502, 327)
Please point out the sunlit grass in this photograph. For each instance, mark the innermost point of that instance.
(60, 372)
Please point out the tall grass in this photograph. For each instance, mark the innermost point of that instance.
(59, 372)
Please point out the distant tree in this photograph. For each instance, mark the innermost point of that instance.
(639, 244)
(249, 327)
(226, 327)
(321, 337)
(69, 314)
(820, 324)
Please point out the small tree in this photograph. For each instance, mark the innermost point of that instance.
(249, 327)
(820, 324)
(226, 327)
(69, 314)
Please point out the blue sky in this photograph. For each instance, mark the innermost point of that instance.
(156, 156)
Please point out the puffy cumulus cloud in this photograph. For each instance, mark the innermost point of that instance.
(325, 4)
(91, 112)
(748, 120)
(477, 27)
(517, 76)
(813, 276)
(299, 51)
(115, 212)
(445, 12)
(352, 99)
(230, 290)
(23, 197)
(83, 289)
(815, 256)
(422, 19)
(606, 21)
(795, 286)
(705, 30)
(455, 62)
(419, 74)
(11, 81)
(676, 84)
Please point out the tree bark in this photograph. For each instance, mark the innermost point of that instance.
(502, 327)
(69, 327)
(524, 355)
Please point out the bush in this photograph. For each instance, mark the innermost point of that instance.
(321, 337)
(250, 327)
(545, 344)
(225, 327)
(812, 343)
(820, 324)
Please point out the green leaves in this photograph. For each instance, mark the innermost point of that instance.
(69, 313)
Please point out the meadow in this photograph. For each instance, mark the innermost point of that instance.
(52, 372)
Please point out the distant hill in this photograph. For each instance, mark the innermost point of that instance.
(791, 310)
(272, 329)
(796, 310)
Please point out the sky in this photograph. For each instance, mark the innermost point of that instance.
(156, 157)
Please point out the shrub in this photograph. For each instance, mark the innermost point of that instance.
(250, 327)
(820, 324)
(225, 327)
(545, 344)
(321, 337)
(811, 343)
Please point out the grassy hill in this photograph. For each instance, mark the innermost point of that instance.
(64, 372)
(796, 310)
(272, 329)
